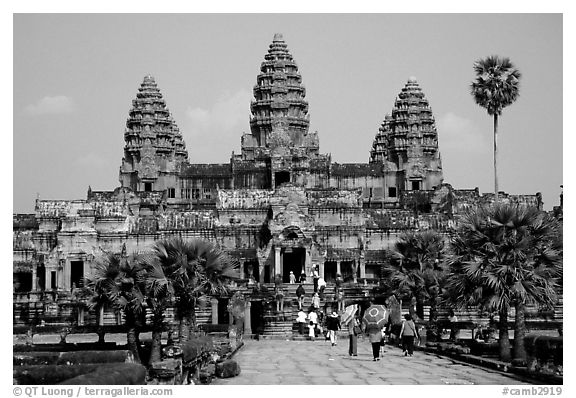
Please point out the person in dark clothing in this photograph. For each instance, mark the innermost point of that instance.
(315, 277)
(408, 333)
(303, 277)
(353, 327)
(300, 292)
(375, 338)
(333, 325)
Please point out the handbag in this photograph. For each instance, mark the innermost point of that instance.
(357, 330)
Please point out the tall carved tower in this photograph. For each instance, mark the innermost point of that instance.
(408, 139)
(279, 111)
(154, 147)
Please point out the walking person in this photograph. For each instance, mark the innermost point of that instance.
(292, 278)
(313, 317)
(316, 301)
(375, 337)
(301, 319)
(333, 325)
(408, 333)
(321, 287)
(312, 331)
(453, 326)
(315, 276)
(339, 297)
(300, 293)
(279, 292)
(353, 332)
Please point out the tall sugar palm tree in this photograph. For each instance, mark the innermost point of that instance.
(194, 269)
(496, 86)
(159, 295)
(119, 280)
(416, 271)
(503, 256)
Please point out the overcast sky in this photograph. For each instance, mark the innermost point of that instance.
(76, 75)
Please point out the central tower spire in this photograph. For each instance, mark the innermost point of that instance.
(279, 103)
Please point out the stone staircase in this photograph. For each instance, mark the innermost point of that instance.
(283, 324)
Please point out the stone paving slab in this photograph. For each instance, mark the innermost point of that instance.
(279, 362)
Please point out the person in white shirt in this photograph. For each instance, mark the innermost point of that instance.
(313, 317)
(321, 286)
(301, 319)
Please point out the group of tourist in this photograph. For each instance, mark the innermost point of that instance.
(377, 336)
(314, 322)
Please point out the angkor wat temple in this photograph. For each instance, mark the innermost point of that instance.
(280, 205)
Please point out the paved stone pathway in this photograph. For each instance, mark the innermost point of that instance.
(318, 363)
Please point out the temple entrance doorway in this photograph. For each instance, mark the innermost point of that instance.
(41, 276)
(223, 314)
(267, 278)
(257, 317)
(372, 270)
(22, 282)
(330, 271)
(281, 177)
(251, 269)
(293, 259)
(347, 270)
(76, 274)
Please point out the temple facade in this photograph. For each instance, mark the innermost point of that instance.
(279, 205)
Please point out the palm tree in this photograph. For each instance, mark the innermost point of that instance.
(118, 280)
(496, 86)
(194, 269)
(503, 257)
(159, 295)
(416, 271)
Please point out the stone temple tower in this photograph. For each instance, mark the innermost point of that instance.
(408, 140)
(279, 112)
(154, 149)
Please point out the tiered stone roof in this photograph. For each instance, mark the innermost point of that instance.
(410, 132)
(279, 96)
(151, 124)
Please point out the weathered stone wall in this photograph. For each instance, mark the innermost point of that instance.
(333, 216)
(407, 220)
(334, 198)
(233, 238)
(24, 222)
(243, 199)
(340, 237)
(186, 220)
(241, 217)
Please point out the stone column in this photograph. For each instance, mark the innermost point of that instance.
(230, 318)
(64, 284)
(362, 266)
(214, 303)
(338, 267)
(34, 277)
(241, 270)
(321, 270)
(247, 318)
(101, 316)
(276, 262)
(308, 265)
(47, 279)
(80, 316)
